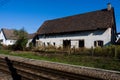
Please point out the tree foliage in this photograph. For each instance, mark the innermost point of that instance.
(22, 39)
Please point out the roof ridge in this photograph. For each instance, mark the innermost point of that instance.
(105, 9)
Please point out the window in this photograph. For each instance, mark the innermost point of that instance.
(44, 44)
(95, 43)
(54, 43)
(10, 41)
(98, 43)
(1, 40)
(66, 43)
(48, 43)
(81, 43)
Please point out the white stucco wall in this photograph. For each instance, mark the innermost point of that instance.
(88, 36)
(10, 42)
(28, 43)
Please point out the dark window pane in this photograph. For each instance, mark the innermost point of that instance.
(81, 43)
(100, 43)
(95, 43)
(54, 43)
(66, 43)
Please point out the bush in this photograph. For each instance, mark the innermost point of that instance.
(82, 51)
(22, 39)
(117, 52)
(10, 47)
(1, 46)
(107, 51)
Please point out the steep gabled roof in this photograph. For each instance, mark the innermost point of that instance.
(9, 34)
(100, 19)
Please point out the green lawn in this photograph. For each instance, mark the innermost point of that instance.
(82, 60)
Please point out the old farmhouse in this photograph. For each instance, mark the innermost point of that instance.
(8, 37)
(92, 29)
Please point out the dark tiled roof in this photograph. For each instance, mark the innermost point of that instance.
(100, 19)
(9, 34)
(31, 36)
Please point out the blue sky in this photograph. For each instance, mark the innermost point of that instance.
(30, 14)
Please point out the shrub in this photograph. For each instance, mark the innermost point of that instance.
(104, 51)
(117, 52)
(81, 51)
(98, 51)
(22, 39)
(1, 46)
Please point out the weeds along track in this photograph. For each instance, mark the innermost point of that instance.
(29, 69)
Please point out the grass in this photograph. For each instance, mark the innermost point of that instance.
(81, 60)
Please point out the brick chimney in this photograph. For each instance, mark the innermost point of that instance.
(109, 6)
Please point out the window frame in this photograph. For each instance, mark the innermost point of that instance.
(99, 43)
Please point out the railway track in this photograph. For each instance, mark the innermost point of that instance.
(28, 69)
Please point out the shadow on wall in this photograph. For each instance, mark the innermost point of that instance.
(12, 70)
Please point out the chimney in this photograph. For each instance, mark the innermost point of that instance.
(109, 7)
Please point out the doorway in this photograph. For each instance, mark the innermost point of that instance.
(81, 43)
(66, 43)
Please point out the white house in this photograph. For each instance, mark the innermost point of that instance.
(7, 37)
(92, 29)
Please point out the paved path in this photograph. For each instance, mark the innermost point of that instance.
(4, 76)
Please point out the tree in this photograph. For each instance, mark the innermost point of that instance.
(22, 39)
